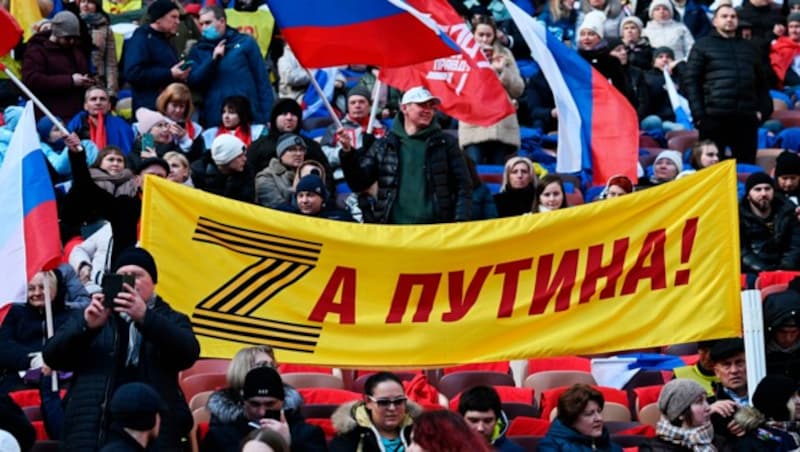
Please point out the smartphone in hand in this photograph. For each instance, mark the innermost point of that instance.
(186, 64)
(148, 142)
(112, 285)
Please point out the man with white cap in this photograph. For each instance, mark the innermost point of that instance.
(225, 171)
(419, 170)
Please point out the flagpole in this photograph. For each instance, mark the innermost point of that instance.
(324, 99)
(35, 99)
(48, 315)
(373, 112)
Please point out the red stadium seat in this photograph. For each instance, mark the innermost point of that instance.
(288, 368)
(775, 277)
(645, 395)
(452, 384)
(559, 363)
(206, 366)
(506, 393)
(528, 426)
(314, 396)
(196, 384)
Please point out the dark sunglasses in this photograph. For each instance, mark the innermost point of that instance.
(384, 403)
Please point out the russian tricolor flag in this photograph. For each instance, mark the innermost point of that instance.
(385, 33)
(29, 238)
(598, 130)
(680, 105)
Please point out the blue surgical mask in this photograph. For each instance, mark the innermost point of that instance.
(211, 33)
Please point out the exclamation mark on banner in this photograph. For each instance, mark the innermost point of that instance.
(687, 242)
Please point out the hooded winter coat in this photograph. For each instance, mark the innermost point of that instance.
(226, 406)
(355, 431)
(47, 70)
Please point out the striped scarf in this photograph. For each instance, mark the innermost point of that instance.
(698, 439)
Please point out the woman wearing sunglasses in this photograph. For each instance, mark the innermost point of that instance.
(381, 422)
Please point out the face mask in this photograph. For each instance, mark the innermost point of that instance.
(211, 33)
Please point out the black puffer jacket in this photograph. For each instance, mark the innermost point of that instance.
(769, 248)
(240, 186)
(779, 309)
(449, 184)
(97, 358)
(602, 60)
(724, 77)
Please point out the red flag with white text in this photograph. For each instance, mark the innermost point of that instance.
(466, 83)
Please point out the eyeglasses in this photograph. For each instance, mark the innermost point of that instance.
(384, 403)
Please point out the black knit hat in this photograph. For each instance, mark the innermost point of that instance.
(160, 8)
(263, 382)
(771, 396)
(756, 179)
(139, 257)
(726, 348)
(662, 50)
(135, 405)
(150, 161)
(787, 162)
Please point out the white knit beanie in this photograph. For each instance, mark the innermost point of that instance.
(665, 3)
(594, 21)
(225, 148)
(630, 19)
(674, 156)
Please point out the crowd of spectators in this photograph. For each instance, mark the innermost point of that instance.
(195, 100)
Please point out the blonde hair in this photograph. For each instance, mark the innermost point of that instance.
(49, 279)
(510, 164)
(244, 361)
(313, 163)
(179, 157)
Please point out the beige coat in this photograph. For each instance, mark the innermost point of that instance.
(507, 130)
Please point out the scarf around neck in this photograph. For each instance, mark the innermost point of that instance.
(698, 439)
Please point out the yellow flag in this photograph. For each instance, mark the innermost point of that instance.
(258, 24)
(647, 269)
(27, 13)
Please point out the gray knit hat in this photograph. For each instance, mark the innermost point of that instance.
(677, 396)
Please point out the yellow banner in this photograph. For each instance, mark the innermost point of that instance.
(648, 269)
(258, 24)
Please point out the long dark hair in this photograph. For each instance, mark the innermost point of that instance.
(241, 105)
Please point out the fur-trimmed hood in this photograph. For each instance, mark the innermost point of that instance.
(354, 414)
(750, 418)
(227, 406)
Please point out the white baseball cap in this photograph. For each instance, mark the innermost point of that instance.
(418, 95)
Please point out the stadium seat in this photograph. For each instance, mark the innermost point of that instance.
(514, 410)
(558, 363)
(649, 414)
(313, 380)
(678, 133)
(452, 384)
(681, 143)
(288, 368)
(199, 400)
(575, 198)
(648, 155)
(773, 289)
(206, 366)
(528, 426)
(775, 277)
(765, 158)
(196, 384)
(549, 379)
(646, 141)
(316, 396)
(629, 441)
(33, 413)
(645, 395)
(787, 118)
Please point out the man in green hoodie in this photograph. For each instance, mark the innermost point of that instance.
(419, 170)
